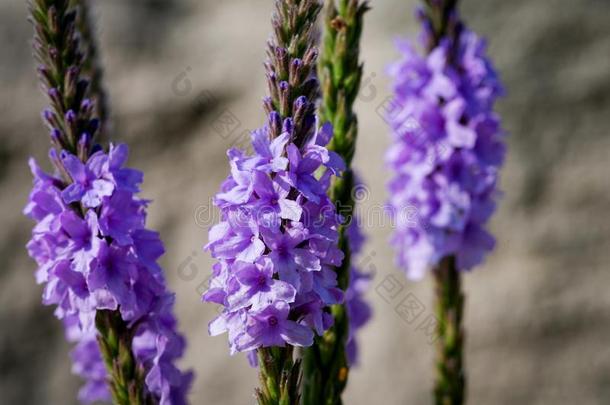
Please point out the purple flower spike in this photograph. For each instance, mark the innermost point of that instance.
(96, 260)
(447, 152)
(273, 257)
(106, 260)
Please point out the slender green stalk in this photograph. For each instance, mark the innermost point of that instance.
(279, 377)
(293, 90)
(438, 13)
(126, 378)
(325, 364)
(450, 382)
(71, 118)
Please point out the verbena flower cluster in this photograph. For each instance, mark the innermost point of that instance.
(358, 309)
(447, 151)
(277, 242)
(94, 253)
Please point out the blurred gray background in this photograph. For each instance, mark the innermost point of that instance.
(185, 80)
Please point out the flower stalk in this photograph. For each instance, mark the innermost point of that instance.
(74, 127)
(126, 377)
(450, 383)
(447, 152)
(279, 376)
(292, 92)
(276, 245)
(450, 379)
(450, 375)
(437, 21)
(326, 365)
(96, 258)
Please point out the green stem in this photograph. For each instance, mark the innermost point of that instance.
(325, 366)
(279, 376)
(438, 12)
(125, 377)
(450, 382)
(289, 66)
(58, 41)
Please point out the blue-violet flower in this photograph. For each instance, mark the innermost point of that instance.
(94, 253)
(447, 151)
(277, 242)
